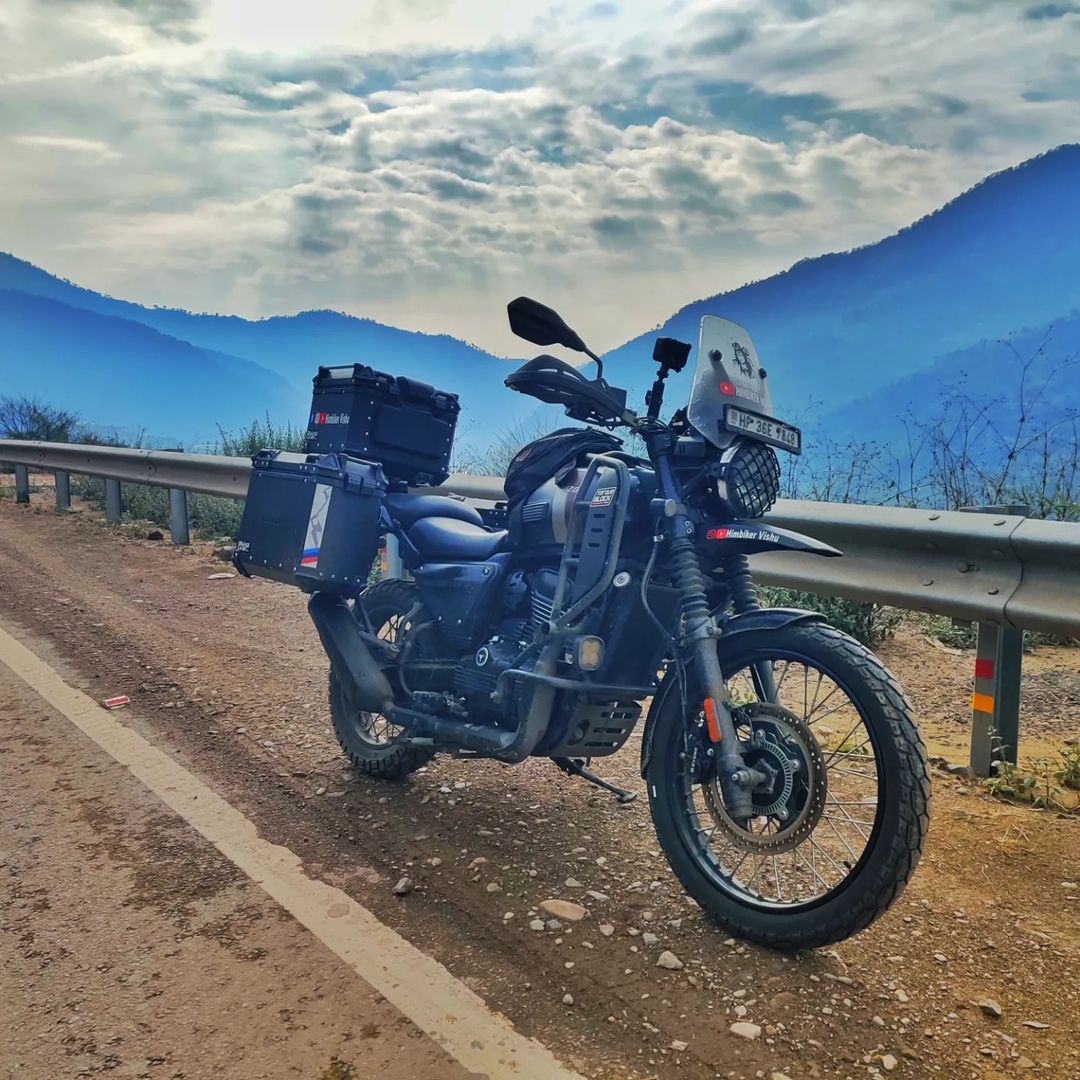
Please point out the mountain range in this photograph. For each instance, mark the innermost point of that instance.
(122, 364)
(850, 340)
(1001, 259)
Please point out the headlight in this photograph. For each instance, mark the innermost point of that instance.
(749, 478)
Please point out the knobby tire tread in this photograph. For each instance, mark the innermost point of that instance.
(891, 864)
(395, 761)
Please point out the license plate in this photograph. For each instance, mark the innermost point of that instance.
(764, 428)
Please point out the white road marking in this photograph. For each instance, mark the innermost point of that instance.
(449, 1012)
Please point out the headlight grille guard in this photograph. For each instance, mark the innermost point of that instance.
(748, 478)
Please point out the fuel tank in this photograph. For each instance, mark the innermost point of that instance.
(542, 521)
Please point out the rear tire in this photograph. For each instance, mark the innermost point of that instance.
(370, 741)
(875, 877)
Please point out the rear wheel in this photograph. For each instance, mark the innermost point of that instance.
(372, 741)
(839, 825)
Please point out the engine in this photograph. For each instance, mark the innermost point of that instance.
(477, 675)
(527, 602)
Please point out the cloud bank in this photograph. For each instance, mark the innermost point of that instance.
(421, 161)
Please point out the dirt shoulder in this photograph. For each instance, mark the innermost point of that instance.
(229, 676)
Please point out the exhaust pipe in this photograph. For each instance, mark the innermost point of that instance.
(365, 686)
(488, 741)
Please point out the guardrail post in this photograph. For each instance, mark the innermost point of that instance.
(63, 490)
(113, 503)
(995, 702)
(999, 658)
(178, 516)
(22, 484)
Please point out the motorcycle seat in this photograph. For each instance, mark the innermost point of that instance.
(454, 540)
(406, 508)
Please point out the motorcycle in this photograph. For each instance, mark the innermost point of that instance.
(786, 778)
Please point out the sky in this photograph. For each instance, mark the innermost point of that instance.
(421, 162)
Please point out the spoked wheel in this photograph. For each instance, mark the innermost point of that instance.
(839, 821)
(372, 741)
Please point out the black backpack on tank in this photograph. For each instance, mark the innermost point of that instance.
(549, 455)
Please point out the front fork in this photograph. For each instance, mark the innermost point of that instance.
(700, 632)
(744, 599)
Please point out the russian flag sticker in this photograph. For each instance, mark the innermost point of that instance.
(320, 507)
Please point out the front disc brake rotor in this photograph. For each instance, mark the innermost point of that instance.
(791, 799)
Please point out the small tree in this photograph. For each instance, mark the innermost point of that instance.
(28, 418)
(1022, 447)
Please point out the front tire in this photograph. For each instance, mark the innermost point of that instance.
(750, 878)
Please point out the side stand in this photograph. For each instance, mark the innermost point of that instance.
(576, 767)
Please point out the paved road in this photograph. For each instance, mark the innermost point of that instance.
(133, 945)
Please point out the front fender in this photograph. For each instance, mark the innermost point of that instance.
(732, 628)
(717, 541)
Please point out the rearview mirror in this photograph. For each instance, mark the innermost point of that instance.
(531, 320)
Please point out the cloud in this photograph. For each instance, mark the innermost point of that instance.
(61, 142)
(417, 165)
(170, 18)
(174, 19)
(1051, 11)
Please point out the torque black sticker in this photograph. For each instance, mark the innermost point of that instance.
(603, 496)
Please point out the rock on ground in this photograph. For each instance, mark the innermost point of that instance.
(564, 909)
(745, 1030)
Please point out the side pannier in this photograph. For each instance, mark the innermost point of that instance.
(312, 520)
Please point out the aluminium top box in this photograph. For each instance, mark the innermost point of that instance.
(407, 426)
(311, 520)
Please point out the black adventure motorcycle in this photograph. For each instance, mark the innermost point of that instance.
(786, 779)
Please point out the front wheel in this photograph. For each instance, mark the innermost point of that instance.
(839, 823)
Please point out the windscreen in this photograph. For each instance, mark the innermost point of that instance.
(728, 372)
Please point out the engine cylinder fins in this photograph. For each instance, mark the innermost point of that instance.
(541, 609)
(542, 596)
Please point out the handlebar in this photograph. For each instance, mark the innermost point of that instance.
(554, 381)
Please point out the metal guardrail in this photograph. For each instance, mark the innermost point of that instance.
(1003, 571)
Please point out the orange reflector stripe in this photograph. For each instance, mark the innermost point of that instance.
(982, 703)
(710, 720)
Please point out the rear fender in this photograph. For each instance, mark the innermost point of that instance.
(721, 539)
(731, 629)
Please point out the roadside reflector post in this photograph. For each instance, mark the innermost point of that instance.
(178, 517)
(999, 657)
(22, 484)
(63, 490)
(113, 504)
(995, 700)
(392, 566)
